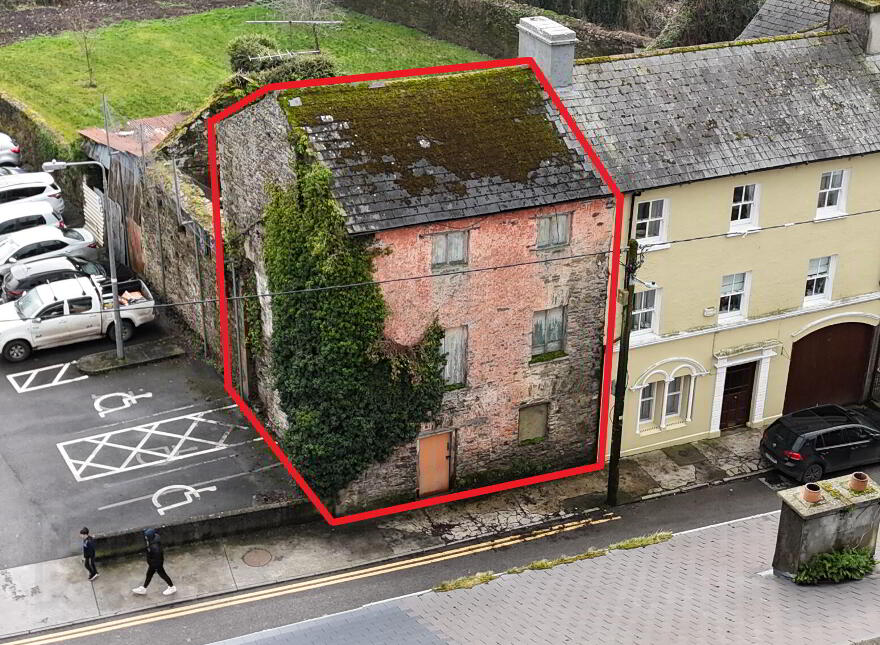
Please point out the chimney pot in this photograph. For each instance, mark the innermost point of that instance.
(551, 45)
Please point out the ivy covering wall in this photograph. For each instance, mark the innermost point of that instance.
(350, 395)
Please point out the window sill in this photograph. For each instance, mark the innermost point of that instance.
(649, 246)
(743, 231)
(548, 357)
(814, 303)
(452, 387)
(640, 338)
(824, 217)
(652, 429)
(554, 247)
(730, 320)
(440, 269)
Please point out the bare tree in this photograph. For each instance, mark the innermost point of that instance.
(84, 37)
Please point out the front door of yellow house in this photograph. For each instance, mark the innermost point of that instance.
(434, 463)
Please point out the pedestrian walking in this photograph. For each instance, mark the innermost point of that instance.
(89, 553)
(155, 564)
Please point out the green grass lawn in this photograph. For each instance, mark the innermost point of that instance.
(160, 66)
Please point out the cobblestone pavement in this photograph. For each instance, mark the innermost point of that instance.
(707, 585)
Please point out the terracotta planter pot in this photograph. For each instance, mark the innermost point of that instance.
(812, 493)
(858, 482)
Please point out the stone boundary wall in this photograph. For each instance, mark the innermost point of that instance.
(209, 527)
(41, 143)
(488, 26)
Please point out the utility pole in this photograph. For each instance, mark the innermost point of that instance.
(632, 254)
(111, 238)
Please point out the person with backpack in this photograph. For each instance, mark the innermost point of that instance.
(89, 553)
(155, 564)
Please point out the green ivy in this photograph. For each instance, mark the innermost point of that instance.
(350, 395)
(836, 566)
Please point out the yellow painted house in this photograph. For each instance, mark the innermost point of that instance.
(751, 172)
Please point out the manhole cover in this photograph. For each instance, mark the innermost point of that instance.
(257, 558)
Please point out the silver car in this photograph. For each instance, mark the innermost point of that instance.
(31, 187)
(9, 151)
(17, 216)
(45, 242)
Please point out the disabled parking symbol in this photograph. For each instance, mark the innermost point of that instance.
(189, 494)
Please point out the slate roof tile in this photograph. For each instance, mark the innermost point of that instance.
(739, 107)
(778, 17)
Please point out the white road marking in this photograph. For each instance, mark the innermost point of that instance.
(189, 492)
(210, 481)
(130, 442)
(30, 375)
(127, 399)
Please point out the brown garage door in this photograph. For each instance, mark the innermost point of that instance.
(829, 366)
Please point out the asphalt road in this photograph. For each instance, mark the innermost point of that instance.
(680, 512)
(70, 458)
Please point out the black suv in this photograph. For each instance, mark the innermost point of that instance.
(809, 443)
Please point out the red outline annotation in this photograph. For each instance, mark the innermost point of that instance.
(611, 306)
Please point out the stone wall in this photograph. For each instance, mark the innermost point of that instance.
(254, 154)
(180, 260)
(488, 26)
(40, 143)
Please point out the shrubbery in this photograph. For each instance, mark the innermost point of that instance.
(295, 69)
(242, 48)
(837, 566)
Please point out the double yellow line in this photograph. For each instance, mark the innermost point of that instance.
(308, 585)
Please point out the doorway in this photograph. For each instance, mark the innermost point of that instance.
(736, 404)
(435, 459)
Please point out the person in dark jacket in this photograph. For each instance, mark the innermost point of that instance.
(155, 564)
(89, 553)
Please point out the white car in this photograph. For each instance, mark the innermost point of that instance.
(45, 242)
(32, 187)
(70, 311)
(18, 216)
(9, 151)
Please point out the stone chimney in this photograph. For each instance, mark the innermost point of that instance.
(552, 47)
(861, 17)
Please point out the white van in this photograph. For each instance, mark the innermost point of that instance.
(17, 216)
(32, 187)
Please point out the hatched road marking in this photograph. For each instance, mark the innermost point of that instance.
(152, 444)
(31, 375)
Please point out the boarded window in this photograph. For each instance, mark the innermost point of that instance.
(533, 422)
(548, 330)
(449, 249)
(455, 348)
(553, 230)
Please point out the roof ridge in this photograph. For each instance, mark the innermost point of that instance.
(650, 53)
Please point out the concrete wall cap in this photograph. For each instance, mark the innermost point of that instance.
(546, 30)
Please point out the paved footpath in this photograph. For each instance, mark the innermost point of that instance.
(49, 594)
(709, 585)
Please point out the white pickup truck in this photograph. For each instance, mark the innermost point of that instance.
(70, 311)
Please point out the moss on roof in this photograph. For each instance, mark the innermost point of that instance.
(871, 6)
(475, 125)
(650, 53)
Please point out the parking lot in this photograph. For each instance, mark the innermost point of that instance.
(128, 449)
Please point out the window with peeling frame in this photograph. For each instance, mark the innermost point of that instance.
(449, 249)
(548, 331)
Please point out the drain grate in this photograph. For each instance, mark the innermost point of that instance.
(257, 558)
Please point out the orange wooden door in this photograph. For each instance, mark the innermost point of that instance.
(434, 459)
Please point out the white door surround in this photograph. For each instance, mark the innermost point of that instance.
(762, 356)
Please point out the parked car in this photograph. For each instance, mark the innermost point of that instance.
(12, 170)
(807, 444)
(24, 276)
(9, 151)
(42, 242)
(70, 311)
(31, 186)
(18, 216)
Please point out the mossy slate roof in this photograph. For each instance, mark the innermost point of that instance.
(778, 17)
(675, 116)
(440, 148)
